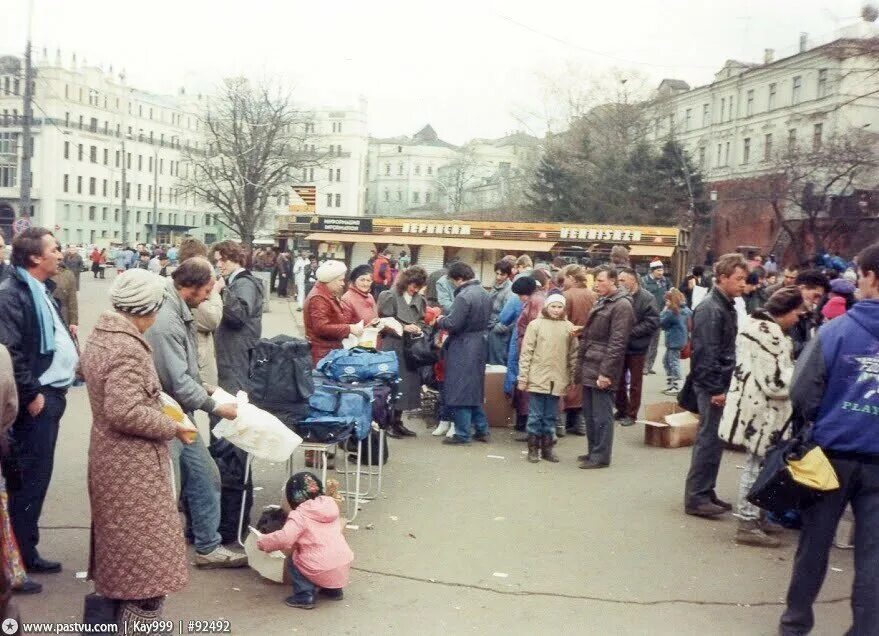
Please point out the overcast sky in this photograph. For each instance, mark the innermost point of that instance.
(464, 66)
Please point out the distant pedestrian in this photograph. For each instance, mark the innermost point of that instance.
(600, 362)
(499, 333)
(711, 371)
(381, 273)
(657, 284)
(546, 368)
(675, 320)
(67, 297)
(73, 261)
(300, 268)
(284, 274)
(404, 261)
(835, 386)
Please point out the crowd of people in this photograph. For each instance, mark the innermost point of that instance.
(771, 350)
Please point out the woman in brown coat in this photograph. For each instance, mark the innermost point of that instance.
(579, 300)
(138, 553)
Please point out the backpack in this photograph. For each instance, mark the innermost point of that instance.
(359, 365)
(333, 399)
(280, 372)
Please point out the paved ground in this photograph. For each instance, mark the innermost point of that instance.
(462, 542)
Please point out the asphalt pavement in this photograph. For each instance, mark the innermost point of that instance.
(475, 540)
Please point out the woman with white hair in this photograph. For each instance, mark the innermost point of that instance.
(138, 554)
(327, 320)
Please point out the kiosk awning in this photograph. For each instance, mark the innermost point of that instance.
(445, 240)
(651, 250)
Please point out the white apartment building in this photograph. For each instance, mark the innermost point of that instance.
(735, 126)
(340, 136)
(82, 117)
(402, 172)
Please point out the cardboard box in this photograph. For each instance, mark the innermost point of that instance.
(667, 425)
(498, 408)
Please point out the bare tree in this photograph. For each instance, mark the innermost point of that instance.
(820, 193)
(254, 141)
(456, 178)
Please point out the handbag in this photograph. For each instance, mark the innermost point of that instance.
(795, 475)
(687, 399)
(687, 349)
(419, 350)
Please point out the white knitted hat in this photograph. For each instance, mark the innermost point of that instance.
(330, 271)
(138, 292)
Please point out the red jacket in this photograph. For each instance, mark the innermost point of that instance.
(359, 305)
(326, 321)
(381, 271)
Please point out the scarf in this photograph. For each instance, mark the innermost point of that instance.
(45, 320)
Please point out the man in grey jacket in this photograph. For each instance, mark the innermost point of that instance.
(172, 338)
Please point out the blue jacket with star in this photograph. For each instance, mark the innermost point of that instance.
(836, 382)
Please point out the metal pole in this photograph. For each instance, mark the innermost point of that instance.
(124, 132)
(24, 207)
(155, 195)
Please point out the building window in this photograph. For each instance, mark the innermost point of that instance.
(416, 197)
(139, 191)
(749, 105)
(817, 130)
(8, 174)
(103, 214)
(822, 83)
(139, 163)
(93, 186)
(331, 174)
(116, 189)
(92, 211)
(79, 152)
(79, 185)
(702, 157)
(106, 156)
(400, 169)
(746, 150)
(93, 154)
(399, 149)
(427, 196)
(429, 170)
(767, 147)
(706, 114)
(796, 90)
(149, 193)
(688, 115)
(338, 174)
(387, 196)
(791, 139)
(67, 150)
(338, 200)
(104, 188)
(117, 158)
(150, 165)
(731, 108)
(387, 170)
(66, 182)
(726, 156)
(116, 215)
(329, 200)
(418, 170)
(718, 162)
(723, 109)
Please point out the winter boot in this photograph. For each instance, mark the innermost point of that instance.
(546, 449)
(750, 533)
(533, 449)
(521, 423)
(451, 431)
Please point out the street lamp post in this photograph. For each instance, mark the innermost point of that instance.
(24, 207)
(713, 212)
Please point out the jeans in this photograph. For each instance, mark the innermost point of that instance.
(303, 589)
(672, 363)
(446, 413)
(469, 420)
(598, 413)
(707, 452)
(29, 467)
(198, 477)
(543, 414)
(746, 511)
(629, 400)
(859, 484)
(651, 352)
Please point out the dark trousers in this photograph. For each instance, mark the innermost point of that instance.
(707, 452)
(859, 485)
(303, 588)
(32, 458)
(629, 400)
(598, 414)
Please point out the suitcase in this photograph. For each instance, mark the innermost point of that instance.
(498, 409)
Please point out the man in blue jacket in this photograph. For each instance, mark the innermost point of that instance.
(836, 386)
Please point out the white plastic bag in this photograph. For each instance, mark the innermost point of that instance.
(258, 432)
(269, 565)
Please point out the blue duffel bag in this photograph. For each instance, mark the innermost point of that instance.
(359, 365)
(325, 430)
(333, 399)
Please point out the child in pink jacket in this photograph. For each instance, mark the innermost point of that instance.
(320, 556)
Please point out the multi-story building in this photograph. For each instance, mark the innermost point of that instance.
(402, 172)
(736, 127)
(88, 124)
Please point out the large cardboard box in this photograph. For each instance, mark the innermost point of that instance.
(498, 409)
(667, 425)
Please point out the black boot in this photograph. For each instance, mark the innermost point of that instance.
(546, 450)
(533, 449)
(521, 423)
(399, 428)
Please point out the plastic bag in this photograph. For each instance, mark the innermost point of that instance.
(257, 432)
(172, 409)
(270, 565)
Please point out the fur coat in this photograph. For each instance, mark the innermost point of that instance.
(758, 402)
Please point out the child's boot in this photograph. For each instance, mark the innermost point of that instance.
(300, 601)
(533, 449)
(546, 450)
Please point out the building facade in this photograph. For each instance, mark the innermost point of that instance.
(736, 128)
(88, 125)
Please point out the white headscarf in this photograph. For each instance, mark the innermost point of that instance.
(138, 292)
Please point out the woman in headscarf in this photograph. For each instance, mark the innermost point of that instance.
(138, 553)
(357, 299)
(405, 303)
(327, 322)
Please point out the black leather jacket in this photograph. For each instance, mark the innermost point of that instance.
(20, 333)
(714, 343)
(646, 321)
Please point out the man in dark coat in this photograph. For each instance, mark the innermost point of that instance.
(465, 355)
(711, 370)
(600, 364)
(44, 359)
(644, 329)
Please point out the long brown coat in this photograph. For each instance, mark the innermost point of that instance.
(138, 550)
